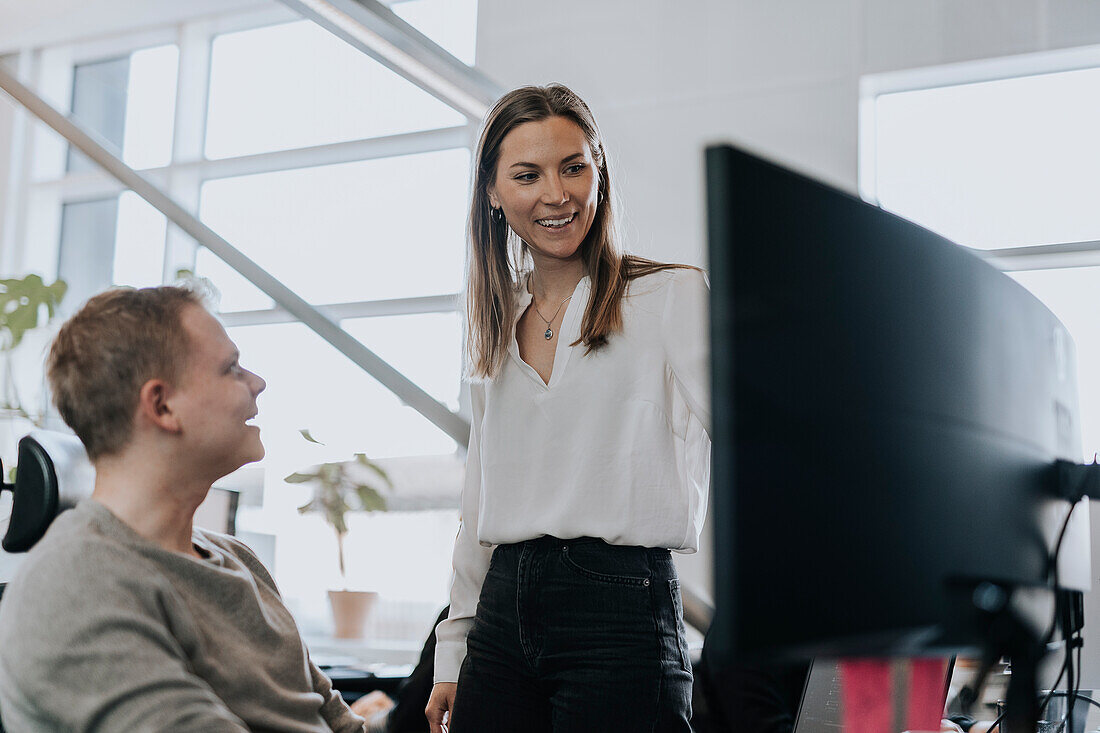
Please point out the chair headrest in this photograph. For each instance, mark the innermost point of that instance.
(54, 474)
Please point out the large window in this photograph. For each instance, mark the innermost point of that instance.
(343, 180)
(999, 156)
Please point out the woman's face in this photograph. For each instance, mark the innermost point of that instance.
(546, 184)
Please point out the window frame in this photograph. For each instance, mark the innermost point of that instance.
(40, 187)
(1050, 256)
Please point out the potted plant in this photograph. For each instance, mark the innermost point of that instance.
(22, 302)
(338, 488)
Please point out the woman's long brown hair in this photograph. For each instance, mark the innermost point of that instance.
(498, 259)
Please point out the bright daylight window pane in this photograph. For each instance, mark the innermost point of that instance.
(151, 107)
(130, 103)
(994, 164)
(85, 257)
(426, 348)
(99, 105)
(264, 98)
(450, 23)
(369, 230)
(139, 243)
(1072, 296)
(310, 385)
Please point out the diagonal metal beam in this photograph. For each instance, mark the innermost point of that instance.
(377, 31)
(447, 421)
(1043, 256)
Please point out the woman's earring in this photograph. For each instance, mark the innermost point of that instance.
(496, 214)
(599, 197)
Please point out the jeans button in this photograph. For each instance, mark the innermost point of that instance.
(646, 582)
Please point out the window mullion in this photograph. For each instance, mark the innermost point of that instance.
(1044, 256)
(185, 183)
(15, 210)
(343, 311)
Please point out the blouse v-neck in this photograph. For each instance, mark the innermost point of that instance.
(567, 333)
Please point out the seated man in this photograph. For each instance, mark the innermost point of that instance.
(124, 617)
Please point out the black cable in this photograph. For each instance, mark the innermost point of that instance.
(1069, 686)
(1073, 691)
(1080, 646)
(1053, 689)
(1086, 698)
(1072, 678)
(1052, 571)
(1071, 703)
(1071, 700)
(1062, 535)
(996, 722)
(1060, 618)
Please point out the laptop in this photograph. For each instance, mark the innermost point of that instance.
(821, 710)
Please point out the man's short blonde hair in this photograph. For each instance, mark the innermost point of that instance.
(116, 342)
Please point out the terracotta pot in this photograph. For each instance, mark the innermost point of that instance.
(350, 609)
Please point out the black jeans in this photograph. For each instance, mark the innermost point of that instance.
(574, 636)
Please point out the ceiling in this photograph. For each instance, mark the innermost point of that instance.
(27, 23)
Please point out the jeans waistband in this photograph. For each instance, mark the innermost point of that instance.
(548, 542)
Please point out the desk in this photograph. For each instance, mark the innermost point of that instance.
(359, 666)
(363, 653)
(354, 681)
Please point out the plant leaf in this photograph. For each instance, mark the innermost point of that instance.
(301, 478)
(371, 500)
(305, 434)
(21, 302)
(337, 516)
(362, 460)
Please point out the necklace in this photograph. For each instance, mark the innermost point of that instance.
(549, 334)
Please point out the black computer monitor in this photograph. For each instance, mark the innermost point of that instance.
(887, 411)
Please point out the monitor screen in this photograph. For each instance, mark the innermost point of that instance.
(887, 409)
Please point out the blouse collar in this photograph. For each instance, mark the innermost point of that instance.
(524, 297)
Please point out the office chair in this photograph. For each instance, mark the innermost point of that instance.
(54, 473)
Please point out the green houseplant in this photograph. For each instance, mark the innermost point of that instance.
(22, 301)
(338, 488)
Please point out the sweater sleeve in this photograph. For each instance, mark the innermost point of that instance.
(102, 660)
(471, 560)
(335, 711)
(685, 335)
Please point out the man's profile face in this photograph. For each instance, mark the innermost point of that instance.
(215, 398)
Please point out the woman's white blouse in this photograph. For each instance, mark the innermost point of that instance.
(616, 446)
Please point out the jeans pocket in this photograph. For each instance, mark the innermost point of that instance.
(607, 563)
(678, 620)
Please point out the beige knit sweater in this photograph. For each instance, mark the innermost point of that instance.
(103, 631)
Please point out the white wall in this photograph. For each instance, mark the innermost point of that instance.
(778, 76)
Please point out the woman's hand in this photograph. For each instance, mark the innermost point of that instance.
(440, 704)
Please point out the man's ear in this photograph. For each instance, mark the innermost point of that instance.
(154, 407)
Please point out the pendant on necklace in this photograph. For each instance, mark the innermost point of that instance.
(549, 334)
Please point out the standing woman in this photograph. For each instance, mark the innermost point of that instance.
(589, 453)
